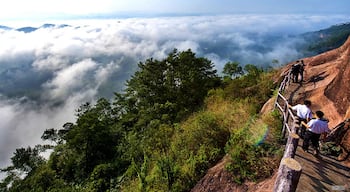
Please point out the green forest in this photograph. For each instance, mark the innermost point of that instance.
(175, 119)
(326, 39)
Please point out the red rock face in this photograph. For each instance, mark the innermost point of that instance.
(327, 85)
(333, 92)
(345, 145)
(338, 90)
(330, 89)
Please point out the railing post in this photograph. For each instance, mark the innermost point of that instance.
(291, 146)
(285, 118)
(276, 102)
(288, 175)
(289, 171)
(287, 112)
(284, 131)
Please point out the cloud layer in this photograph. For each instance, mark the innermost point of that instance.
(46, 74)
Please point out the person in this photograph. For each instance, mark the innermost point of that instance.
(315, 127)
(304, 114)
(295, 72)
(301, 70)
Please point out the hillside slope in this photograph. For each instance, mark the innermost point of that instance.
(327, 85)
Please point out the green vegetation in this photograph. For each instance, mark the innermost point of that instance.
(327, 39)
(330, 148)
(175, 119)
(232, 69)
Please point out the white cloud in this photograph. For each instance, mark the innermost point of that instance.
(22, 124)
(103, 73)
(69, 80)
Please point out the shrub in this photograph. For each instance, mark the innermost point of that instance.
(252, 158)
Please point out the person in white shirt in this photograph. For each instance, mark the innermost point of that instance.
(315, 127)
(304, 114)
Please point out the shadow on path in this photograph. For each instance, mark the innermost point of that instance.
(295, 90)
(322, 173)
(316, 78)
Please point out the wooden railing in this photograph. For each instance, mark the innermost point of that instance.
(282, 104)
(289, 170)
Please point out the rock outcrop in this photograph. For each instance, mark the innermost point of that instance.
(328, 87)
(334, 67)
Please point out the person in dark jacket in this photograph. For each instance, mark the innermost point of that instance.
(295, 72)
(301, 70)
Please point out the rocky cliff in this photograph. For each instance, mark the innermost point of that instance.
(328, 83)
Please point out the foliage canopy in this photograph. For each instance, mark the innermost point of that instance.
(161, 134)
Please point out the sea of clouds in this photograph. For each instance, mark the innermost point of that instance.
(46, 74)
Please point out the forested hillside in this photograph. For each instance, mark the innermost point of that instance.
(326, 39)
(175, 119)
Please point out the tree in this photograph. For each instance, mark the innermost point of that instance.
(57, 136)
(26, 160)
(93, 137)
(252, 70)
(232, 69)
(181, 81)
(275, 62)
(160, 93)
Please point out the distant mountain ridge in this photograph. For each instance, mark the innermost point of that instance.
(30, 29)
(316, 42)
(27, 29)
(326, 39)
(5, 27)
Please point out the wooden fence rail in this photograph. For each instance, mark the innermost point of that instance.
(289, 170)
(282, 104)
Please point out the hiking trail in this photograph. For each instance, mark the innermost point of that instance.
(319, 174)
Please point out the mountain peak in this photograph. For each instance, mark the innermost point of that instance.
(5, 27)
(48, 25)
(27, 29)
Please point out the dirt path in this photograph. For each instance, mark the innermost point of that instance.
(319, 174)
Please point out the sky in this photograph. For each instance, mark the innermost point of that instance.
(29, 10)
(46, 74)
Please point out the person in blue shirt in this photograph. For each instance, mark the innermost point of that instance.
(315, 127)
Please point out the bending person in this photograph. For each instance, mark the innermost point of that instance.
(315, 127)
(304, 114)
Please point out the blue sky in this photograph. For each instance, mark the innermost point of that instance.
(58, 9)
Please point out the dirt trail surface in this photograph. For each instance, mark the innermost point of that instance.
(327, 85)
